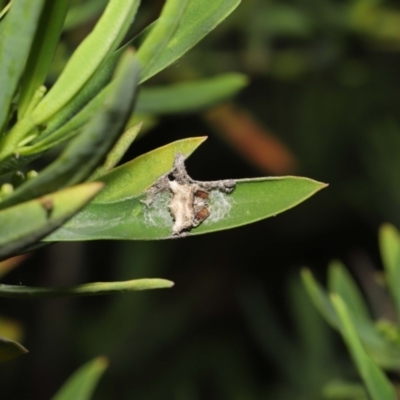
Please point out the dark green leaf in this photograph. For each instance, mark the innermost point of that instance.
(89, 289)
(200, 18)
(26, 223)
(161, 33)
(10, 349)
(18, 30)
(378, 385)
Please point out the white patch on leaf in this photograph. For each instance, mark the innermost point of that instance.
(176, 200)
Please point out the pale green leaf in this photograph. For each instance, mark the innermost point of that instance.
(82, 383)
(104, 38)
(133, 178)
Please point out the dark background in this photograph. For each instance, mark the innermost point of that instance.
(323, 97)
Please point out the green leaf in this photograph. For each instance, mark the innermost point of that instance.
(10, 349)
(119, 214)
(260, 198)
(117, 152)
(384, 353)
(341, 283)
(189, 96)
(200, 18)
(18, 29)
(89, 289)
(378, 386)
(67, 123)
(42, 50)
(319, 298)
(80, 13)
(134, 177)
(54, 136)
(82, 383)
(86, 151)
(101, 42)
(26, 223)
(338, 389)
(389, 240)
(85, 75)
(161, 33)
(5, 8)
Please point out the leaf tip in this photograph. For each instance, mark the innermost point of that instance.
(102, 362)
(168, 284)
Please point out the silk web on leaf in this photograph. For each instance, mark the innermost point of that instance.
(177, 201)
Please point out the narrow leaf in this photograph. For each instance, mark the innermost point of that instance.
(4, 11)
(157, 40)
(82, 383)
(378, 385)
(133, 178)
(129, 219)
(42, 50)
(117, 152)
(389, 240)
(104, 38)
(31, 130)
(341, 283)
(53, 136)
(26, 223)
(89, 289)
(200, 18)
(86, 151)
(10, 349)
(383, 352)
(18, 30)
(319, 298)
(80, 13)
(189, 96)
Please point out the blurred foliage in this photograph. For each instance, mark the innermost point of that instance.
(323, 100)
(373, 345)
